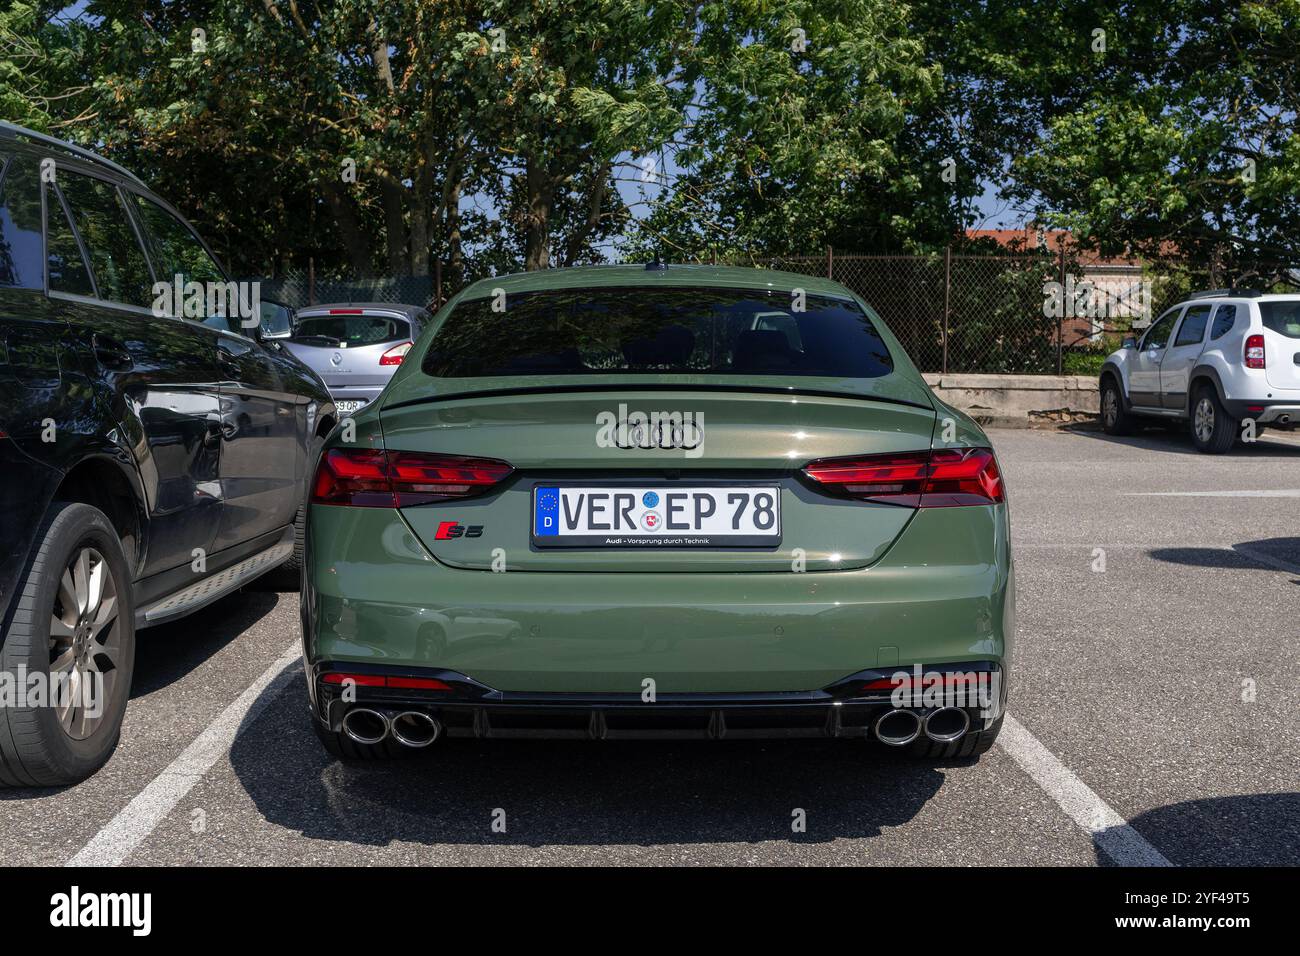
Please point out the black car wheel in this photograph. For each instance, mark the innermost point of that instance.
(73, 624)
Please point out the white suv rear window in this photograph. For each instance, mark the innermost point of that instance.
(1282, 317)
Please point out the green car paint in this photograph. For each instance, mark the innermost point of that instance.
(852, 585)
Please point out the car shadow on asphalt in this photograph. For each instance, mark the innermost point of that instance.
(577, 792)
(168, 652)
(1256, 829)
(1179, 443)
(1267, 554)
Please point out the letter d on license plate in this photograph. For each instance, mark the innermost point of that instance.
(661, 516)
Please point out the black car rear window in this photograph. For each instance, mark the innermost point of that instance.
(22, 257)
(1281, 317)
(352, 331)
(657, 330)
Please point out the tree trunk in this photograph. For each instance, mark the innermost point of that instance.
(394, 224)
(345, 220)
(595, 200)
(540, 189)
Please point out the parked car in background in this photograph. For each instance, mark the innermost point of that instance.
(679, 501)
(149, 463)
(356, 346)
(1213, 362)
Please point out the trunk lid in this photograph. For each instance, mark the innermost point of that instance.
(740, 438)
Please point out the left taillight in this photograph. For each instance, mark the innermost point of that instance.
(369, 478)
(940, 478)
(395, 355)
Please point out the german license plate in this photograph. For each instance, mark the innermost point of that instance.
(691, 516)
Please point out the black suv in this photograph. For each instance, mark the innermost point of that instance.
(151, 461)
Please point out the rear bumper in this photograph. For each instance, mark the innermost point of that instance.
(346, 393)
(944, 592)
(468, 708)
(1264, 412)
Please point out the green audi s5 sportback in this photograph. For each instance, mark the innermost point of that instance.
(657, 501)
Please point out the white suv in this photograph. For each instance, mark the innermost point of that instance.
(1217, 360)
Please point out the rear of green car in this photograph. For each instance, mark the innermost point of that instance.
(687, 501)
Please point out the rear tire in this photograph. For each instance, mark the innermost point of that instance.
(80, 618)
(1213, 430)
(971, 745)
(294, 563)
(1114, 419)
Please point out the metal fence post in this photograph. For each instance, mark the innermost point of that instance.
(947, 301)
(311, 280)
(437, 284)
(1060, 323)
(830, 263)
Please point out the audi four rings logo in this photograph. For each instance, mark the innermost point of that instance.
(682, 431)
(663, 434)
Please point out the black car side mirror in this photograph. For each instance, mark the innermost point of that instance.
(276, 321)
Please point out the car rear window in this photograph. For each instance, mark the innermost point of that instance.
(21, 252)
(351, 331)
(657, 330)
(1281, 317)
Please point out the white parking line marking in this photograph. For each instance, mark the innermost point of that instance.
(133, 824)
(1124, 845)
(1261, 493)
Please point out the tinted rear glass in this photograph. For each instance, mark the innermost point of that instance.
(650, 331)
(352, 331)
(1281, 317)
(21, 252)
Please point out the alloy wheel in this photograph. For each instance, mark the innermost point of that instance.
(1204, 420)
(1110, 407)
(85, 643)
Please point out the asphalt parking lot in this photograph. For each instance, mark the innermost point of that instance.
(1154, 705)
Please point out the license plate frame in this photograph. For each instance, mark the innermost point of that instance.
(669, 538)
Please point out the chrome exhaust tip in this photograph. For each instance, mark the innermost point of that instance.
(898, 728)
(365, 726)
(414, 728)
(946, 724)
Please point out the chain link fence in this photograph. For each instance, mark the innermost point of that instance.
(1030, 313)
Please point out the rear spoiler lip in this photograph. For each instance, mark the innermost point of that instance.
(654, 387)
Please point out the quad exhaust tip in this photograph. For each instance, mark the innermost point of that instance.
(946, 724)
(414, 728)
(410, 728)
(365, 726)
(898, 728)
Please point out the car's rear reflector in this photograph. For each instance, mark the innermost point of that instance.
(941, 478)
(1254, 351)
(395, 355)
(364, 477)
(380, 680)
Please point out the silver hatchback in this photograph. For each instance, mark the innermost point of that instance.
(356, 346)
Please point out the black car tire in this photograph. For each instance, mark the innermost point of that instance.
(1213, 430)
(35, 750)
(1115, 420)
(294, 563)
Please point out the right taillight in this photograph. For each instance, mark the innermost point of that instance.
(364, 477)
(1254, 354)
(941, 478)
